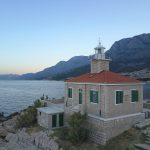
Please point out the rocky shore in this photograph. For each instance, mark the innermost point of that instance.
(14, 139)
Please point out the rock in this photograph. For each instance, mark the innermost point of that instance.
(20, 146)
(142, 146)
(143, 124)
(43, 141)
(10, 124)
(55, 138)
(20, 141)
(3, 132)
(23, 141)
(2, 142)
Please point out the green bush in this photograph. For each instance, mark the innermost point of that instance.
(29, 116)
(77, 132)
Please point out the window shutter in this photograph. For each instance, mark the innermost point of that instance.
(119, 97)
(80, 96)
(96, 97)
(69, 92)
(91, 96)
(135, 96)
(54, 121)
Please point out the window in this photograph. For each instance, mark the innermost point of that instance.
(94, 96)
(80, 96)
(134, 95)
(119, 97)
(69, 92)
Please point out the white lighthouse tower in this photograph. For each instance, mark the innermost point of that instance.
(99, 51)
(99, 62)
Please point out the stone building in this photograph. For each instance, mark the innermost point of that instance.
(113, 103)
(52, 116)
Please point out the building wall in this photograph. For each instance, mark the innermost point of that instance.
(43, 119)
(127, 107)
(114, 119)
(99, 65)
(100, 131)
(106, 106)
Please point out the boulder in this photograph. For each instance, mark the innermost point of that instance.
(10, 124)
(3, 132)
(35, 141)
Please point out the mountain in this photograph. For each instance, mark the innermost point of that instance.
(9, 77)
(59, 68)
(129, 54)
(143, 74)
(72, 73)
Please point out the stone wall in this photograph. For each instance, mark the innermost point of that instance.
(100, 130)
(99, 65)
(44, 119)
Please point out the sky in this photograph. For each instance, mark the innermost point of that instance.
(36, 34)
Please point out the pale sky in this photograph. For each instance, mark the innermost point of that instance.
(35, 34)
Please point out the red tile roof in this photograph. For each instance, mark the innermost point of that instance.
(103, 77)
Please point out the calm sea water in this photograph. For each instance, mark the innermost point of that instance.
(17, 95)
(146, 91)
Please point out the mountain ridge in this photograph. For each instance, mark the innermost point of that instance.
(127, 54)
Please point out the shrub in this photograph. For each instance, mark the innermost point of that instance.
(29, 116)
(77, 132)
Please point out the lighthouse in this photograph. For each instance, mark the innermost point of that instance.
(99, 62)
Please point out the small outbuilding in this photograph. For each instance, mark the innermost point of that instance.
(51, 117)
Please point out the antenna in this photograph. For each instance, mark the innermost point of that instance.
(99, 41)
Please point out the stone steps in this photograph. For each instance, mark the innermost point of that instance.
(142, 146)
(143, 124)
(147, 142)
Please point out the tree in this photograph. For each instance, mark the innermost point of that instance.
(77, 131)
(29, 116)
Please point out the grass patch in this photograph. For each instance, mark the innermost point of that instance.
(35, 129)
(64, 142)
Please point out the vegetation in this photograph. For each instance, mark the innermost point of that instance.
(29, 116)
(77, 132)
(35, 128)
(124, 141)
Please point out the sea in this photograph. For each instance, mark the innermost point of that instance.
(16, 95)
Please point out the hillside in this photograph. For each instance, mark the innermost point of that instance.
(60, 68)
(130, 54)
